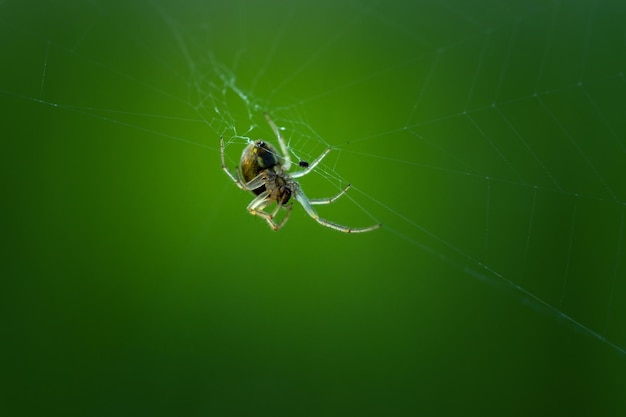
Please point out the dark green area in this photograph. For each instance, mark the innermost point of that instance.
(134, 283)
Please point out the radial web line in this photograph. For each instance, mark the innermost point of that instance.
(569, 251)
(577, 147)
(530, 228)
(616, 270)
(45, 67)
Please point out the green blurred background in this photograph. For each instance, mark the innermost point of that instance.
(488, 138)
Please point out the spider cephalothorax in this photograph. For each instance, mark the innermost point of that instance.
(263, 171)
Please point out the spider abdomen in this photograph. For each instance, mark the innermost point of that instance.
(257, 157)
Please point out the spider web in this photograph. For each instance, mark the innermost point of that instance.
(488, 139)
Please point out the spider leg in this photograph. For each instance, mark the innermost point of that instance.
(261, 201)
(254, 183)
(257, 205)
(281, 141)
(227, 171)
(311, 166)
(284, 220)
(304, 201)
(318, 201)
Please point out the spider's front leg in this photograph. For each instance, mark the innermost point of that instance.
(226, 170)
(281, 143)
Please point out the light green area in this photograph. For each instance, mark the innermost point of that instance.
(133, 281)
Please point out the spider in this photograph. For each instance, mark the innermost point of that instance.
(263, 171)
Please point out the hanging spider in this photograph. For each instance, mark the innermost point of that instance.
(264, 172)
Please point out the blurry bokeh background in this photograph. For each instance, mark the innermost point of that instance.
(488, 138)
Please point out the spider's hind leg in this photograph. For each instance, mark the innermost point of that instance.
(306, 204)
(261, 201)
(284, 220)
(330, 199)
